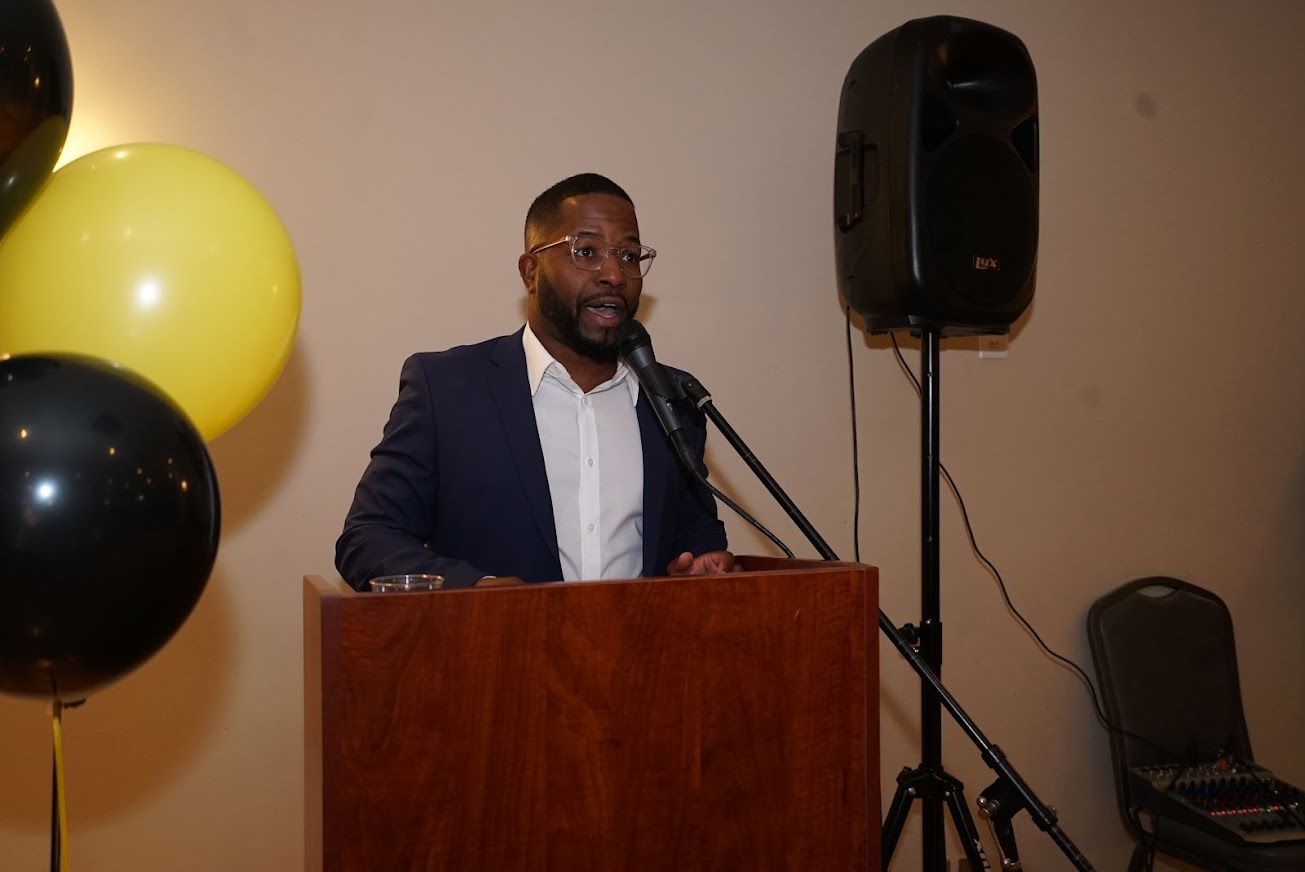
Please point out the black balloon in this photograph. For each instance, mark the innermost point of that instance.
(36, 90)
(109, 519)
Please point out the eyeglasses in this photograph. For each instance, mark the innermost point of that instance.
(591, 253)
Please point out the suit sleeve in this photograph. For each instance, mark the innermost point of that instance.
(394, 506)
(697, 528)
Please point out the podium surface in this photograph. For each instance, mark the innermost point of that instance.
(715, 722)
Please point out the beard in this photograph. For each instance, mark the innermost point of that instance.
(566, 320)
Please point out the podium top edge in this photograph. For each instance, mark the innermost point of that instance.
(769, 566)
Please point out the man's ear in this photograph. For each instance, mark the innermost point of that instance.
(528, 266)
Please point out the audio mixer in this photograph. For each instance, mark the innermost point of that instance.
(1231, 799)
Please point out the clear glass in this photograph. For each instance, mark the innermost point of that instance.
(406, 583)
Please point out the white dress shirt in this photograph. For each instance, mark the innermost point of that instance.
(593, 455)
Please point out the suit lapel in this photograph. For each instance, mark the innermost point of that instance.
(656, 476)
(511, 390)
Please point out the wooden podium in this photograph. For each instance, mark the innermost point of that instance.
(720, 722)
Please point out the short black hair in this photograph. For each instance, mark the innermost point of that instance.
(543, 216)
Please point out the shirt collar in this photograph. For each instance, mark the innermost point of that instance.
(538, 361)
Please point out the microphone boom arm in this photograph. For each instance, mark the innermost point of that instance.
(699, 396)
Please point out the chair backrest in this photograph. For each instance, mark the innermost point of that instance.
(1166, 664)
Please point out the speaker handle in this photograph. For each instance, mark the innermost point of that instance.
(850, 144)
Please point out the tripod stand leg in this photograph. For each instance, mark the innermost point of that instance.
(895, 819)
(965, 828)
(924, 784)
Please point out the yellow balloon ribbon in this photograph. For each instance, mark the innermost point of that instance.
(163, 260)
(60, 796)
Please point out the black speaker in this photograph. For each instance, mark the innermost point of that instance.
(936, 179)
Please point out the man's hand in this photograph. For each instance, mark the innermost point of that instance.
(704, 564)
(499, 581)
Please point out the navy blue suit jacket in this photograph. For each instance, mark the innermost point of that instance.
(457, 485)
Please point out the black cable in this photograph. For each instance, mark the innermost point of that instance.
(739, 510)
(1001, 584)
(856, 452)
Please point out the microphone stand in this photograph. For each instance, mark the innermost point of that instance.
(1014, 792)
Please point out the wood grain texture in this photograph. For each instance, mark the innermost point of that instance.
(703, 723)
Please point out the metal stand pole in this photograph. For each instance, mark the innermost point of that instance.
(935, 844)
(930, 782)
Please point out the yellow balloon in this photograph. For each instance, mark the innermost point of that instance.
(165, 261)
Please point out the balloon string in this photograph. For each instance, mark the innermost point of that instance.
(57, 728)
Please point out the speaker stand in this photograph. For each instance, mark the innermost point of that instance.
(929, 782)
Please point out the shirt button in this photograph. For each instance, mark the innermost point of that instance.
(589, 462)
(590, 528)
(585, 401)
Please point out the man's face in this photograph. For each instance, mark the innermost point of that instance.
(577, 308)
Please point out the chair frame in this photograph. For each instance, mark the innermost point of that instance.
(1148, 844)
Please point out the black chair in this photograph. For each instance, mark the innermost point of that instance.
(1167, 667)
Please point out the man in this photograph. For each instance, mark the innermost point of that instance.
(535, 456)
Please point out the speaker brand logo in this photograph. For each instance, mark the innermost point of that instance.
(987, 263)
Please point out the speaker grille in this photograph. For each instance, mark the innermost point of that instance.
(980, 219)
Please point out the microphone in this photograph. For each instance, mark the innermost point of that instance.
(634, 345)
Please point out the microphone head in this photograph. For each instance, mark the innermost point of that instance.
(630, 334)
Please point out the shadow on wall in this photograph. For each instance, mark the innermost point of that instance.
(254, 457)
(129, 739)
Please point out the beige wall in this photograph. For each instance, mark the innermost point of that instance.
(1149, 418)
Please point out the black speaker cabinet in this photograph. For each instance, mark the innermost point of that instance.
(936, 179)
